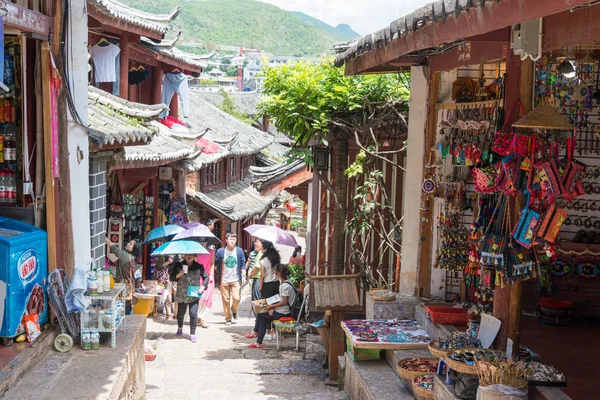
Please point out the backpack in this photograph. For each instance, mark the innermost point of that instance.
(297, 309)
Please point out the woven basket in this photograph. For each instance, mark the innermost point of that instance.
(383, 298)
(422, 394)
(410, 375)
(436, 351)
(461, 367)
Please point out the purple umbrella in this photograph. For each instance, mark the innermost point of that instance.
(198, 233)
(273, 234)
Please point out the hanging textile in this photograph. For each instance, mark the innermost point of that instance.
(104, 55)
(175, 83)
(55, 84)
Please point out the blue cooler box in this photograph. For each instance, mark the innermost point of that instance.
(23, 272)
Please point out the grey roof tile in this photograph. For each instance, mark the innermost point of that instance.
(263, 177)
(155, 22)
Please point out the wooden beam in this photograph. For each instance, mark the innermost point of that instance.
(480, 52)
(123, 25)
(182, 65)
(297, 178)
(138, 53)
(476, 21)
(48, 159)
(568, 29)
(427, 233)
(157, 77)
(26, 20)
(124, 67)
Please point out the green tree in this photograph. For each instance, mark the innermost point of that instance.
(316, 103)
(228, 105)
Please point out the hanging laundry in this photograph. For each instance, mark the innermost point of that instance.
(104, 55)
(175, 83)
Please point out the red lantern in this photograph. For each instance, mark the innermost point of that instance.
(291, 206)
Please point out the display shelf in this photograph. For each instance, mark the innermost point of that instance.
(110, 297)
(383, 345)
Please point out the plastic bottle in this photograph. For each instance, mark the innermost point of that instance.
(106, 278)
(13, 148)
(112, 280)
(7, 108)
(100, 279)
(13, 110)
(2, 188)
(2, 101)
(11, 188)
(6, 150)
(1, 148)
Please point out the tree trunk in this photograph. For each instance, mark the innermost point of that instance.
(340, 213)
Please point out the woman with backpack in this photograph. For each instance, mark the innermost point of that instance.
(283, 308)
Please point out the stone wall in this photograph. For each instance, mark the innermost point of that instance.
(98, 207)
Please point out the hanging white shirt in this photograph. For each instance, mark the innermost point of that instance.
(104, 61)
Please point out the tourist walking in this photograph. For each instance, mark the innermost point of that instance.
(297, 258)
(277, 310)
(164, 267)
(230, 271)
(186, 274)
(207, 260)
(253, 268)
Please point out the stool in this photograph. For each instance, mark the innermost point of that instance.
(281, 328)
(554, 311)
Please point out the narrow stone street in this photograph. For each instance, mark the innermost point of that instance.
(221, 366)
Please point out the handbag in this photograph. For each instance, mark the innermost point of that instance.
(525, 230)
(193, 292)
(552, 220)
(485, 178)
(550, 180)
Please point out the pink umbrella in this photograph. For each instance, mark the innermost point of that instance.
(273, 234)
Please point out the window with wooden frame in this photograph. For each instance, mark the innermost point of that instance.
(233, 167)
(246, 164)
(212, 175)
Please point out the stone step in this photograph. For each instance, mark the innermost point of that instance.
(373, 380)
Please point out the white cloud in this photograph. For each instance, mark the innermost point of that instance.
(363, 16)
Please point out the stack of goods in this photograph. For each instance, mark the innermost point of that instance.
(423, 387)
(410, 368)
(541, 374)
(506, 372)
(456, 341)
(387, 331)
(464, 360)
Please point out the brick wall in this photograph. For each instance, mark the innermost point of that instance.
(98, 207)
(193, 180)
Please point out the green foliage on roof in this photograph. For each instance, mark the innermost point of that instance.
(250, 24)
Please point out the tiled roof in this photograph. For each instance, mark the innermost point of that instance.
(239, 201)
(273, 154)
(435, 12)
(112, 120)
(263, 177)
(246, 102)
(163, 147)
(160, 23)
(167, 49)
(232, 136)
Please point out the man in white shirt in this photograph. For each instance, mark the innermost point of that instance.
(230, 265)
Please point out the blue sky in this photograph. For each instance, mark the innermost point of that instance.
(363, 16)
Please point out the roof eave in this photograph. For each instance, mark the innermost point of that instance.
(123, 25)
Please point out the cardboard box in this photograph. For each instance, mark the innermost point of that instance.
(259, 306)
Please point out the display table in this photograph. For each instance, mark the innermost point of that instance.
(402, 334)
(337, 294)
(111, 297)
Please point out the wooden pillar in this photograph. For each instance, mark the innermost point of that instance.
(427, 233)
(223, 230)
(508, 301)
(51, 226)
(174, 106)
(157, 77)
(337, 343)
(124, 70)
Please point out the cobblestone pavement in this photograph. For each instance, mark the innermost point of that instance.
(221, 366)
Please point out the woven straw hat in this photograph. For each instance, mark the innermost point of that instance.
(544, 116)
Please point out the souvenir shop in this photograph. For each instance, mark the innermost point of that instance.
(519, 203)
(27, 251)
(139, 200)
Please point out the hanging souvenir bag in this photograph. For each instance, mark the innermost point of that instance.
(504, 139)
(520, 264)
(116, 199)
(509, 181)
(524, 232)
(572, 173)
(552, 220)
(485, 178)
(549, 178)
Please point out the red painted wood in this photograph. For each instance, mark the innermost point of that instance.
(123, 25)
(568, 29)
(481, 52)
(26, 20)
(124, 67)
(140, 54)
(477, 21)
(157, 76)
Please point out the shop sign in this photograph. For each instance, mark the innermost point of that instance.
(27, 265)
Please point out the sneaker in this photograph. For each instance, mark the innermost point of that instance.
(193, 338)
(269, 337)
(235, 315)
(227, 323)
(203, 324)
(179, 332)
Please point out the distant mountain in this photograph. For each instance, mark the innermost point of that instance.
(343, 31)
(250, 24)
